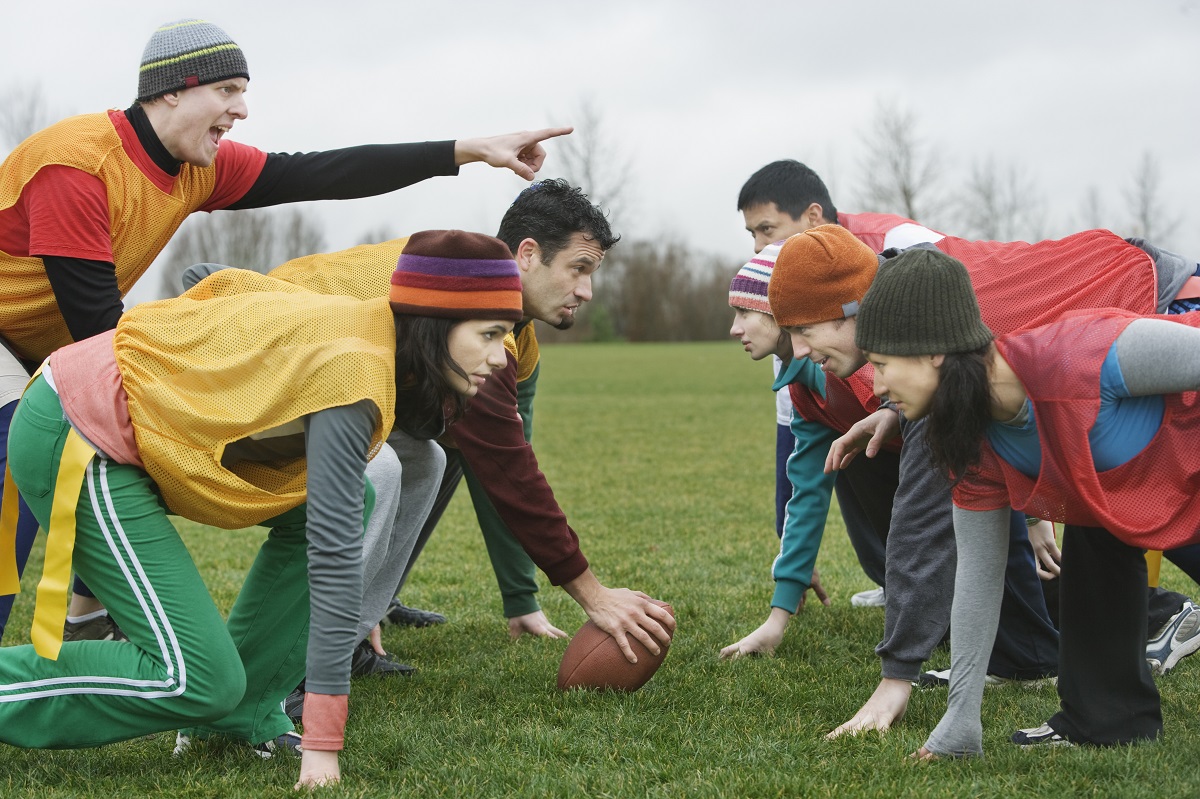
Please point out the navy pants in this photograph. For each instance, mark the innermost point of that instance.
(27, 525)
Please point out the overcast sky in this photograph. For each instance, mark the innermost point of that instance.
(696, 94)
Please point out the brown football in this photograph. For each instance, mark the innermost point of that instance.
(593, 660)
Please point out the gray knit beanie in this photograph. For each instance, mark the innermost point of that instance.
(921, 303)
(188, 53)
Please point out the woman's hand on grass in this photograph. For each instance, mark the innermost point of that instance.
(317, 769)
(763, 640)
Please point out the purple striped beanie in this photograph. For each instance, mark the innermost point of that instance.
(749, 286)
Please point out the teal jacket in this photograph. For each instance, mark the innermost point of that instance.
(808, 508)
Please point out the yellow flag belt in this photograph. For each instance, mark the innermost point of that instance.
(50, 610)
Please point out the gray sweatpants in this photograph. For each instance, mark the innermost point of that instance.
(406, 475)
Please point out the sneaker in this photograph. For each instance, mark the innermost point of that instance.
(868, 599)
(293, 704)
(1178, 638)
(101, 628)
(365, 661)
(1039, 736)
(288, 742)
(936, 679)
(403, 616)
(182, 744)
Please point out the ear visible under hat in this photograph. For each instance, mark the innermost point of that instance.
(186, 53)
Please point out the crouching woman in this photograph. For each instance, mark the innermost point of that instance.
(246, 401)
(1089, 421)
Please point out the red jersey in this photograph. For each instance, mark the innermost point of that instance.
(1018, 285)
(1151, 501)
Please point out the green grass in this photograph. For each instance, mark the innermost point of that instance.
(661, 456)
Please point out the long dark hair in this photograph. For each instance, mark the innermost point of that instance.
(426, 400)
(959, 412)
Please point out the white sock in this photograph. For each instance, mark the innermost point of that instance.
(95, 614)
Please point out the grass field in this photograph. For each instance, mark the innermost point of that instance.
(661, 456)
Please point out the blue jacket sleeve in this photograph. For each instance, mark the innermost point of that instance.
(807, 510)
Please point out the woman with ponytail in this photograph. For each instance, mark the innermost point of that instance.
(1089, 421)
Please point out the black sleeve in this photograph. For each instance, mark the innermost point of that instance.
(87, 294)
(363, 171)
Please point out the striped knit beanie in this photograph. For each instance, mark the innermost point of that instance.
(820, 275)
(749, 287)
(921, 303)
(188, 53)
(456, 274)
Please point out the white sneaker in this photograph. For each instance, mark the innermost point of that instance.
(1039, 736)
(868, 599)
(935, 679)
(1178, 638)
(288, 742)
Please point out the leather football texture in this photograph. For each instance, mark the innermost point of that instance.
(593, 660)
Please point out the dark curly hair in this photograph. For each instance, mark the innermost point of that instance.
(550, 212)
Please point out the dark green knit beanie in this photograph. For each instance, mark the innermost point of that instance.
(921, 303)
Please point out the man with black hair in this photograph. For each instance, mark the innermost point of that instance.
(559, 239)
(780, 200)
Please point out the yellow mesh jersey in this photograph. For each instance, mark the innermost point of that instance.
(523, 347)
(141, 216)
(232, 358)
(365, 272)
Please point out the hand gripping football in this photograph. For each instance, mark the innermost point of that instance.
(593, 660)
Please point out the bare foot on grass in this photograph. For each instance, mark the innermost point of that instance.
(885, 707)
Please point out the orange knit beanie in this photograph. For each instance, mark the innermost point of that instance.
(820, 274)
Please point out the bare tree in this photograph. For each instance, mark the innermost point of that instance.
(1150, 220)
(259, 239)
(901, 172)
(24, 113)
(664, 291)
(593, 161)
(999, 204)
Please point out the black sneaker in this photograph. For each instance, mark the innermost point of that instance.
(289, 742)
(403, 616)
(365, 661)
(293, 704)
(1039, 736)
(101, 628)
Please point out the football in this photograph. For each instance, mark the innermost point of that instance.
(593, 660)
